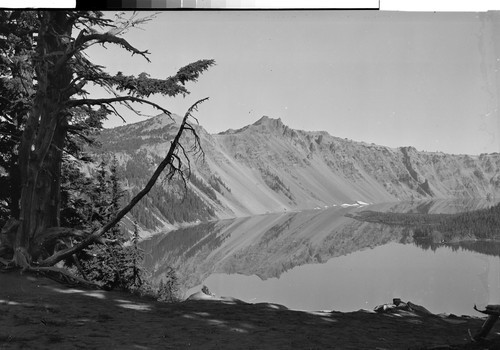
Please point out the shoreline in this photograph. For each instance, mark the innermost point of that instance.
(38, 313)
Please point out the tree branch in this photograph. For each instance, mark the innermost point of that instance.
(101, 101)
(167, 161)
(82, 42)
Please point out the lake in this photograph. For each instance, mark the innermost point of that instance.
(323, 260)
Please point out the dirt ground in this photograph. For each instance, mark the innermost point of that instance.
(38, 313)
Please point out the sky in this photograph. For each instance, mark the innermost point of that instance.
(422, 79)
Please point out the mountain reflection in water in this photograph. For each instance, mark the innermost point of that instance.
(321, 259)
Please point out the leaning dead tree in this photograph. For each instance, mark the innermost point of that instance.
(55, 75)
(172, 162)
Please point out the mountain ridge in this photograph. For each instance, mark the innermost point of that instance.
(269, 167)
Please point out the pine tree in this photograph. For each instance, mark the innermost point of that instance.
(51, 52)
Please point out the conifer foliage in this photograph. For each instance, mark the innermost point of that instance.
(48, 116)
(89, 202)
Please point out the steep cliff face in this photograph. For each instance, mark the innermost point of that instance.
(269, 167)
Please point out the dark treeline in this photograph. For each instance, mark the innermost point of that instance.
(275, 183)
(478, 224)
(486, 247)
(176, 204)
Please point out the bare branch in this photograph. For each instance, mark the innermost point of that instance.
(94, 18)
(117, 113)
(124, 24)
(107, 38)
(83, 41)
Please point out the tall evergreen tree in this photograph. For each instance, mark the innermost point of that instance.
(56, 71)
(16, 93)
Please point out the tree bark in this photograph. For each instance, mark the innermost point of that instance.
(40, 153)
(60, 73)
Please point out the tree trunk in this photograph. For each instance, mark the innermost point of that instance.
(40, 153)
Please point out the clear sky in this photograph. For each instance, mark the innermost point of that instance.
(429, 80)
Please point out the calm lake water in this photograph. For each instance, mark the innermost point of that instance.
(323, 260)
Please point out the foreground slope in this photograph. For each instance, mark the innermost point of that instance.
(269, 167)
(38, 313)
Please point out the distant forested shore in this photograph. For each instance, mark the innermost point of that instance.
(481, 224)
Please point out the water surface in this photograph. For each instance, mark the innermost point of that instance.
(323, 260)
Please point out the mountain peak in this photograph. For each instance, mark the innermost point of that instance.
(268, 121)
(270, 124)
(264, 123)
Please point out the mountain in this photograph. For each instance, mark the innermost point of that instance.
(269, 167)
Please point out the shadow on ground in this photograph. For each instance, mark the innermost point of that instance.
(37, 313)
